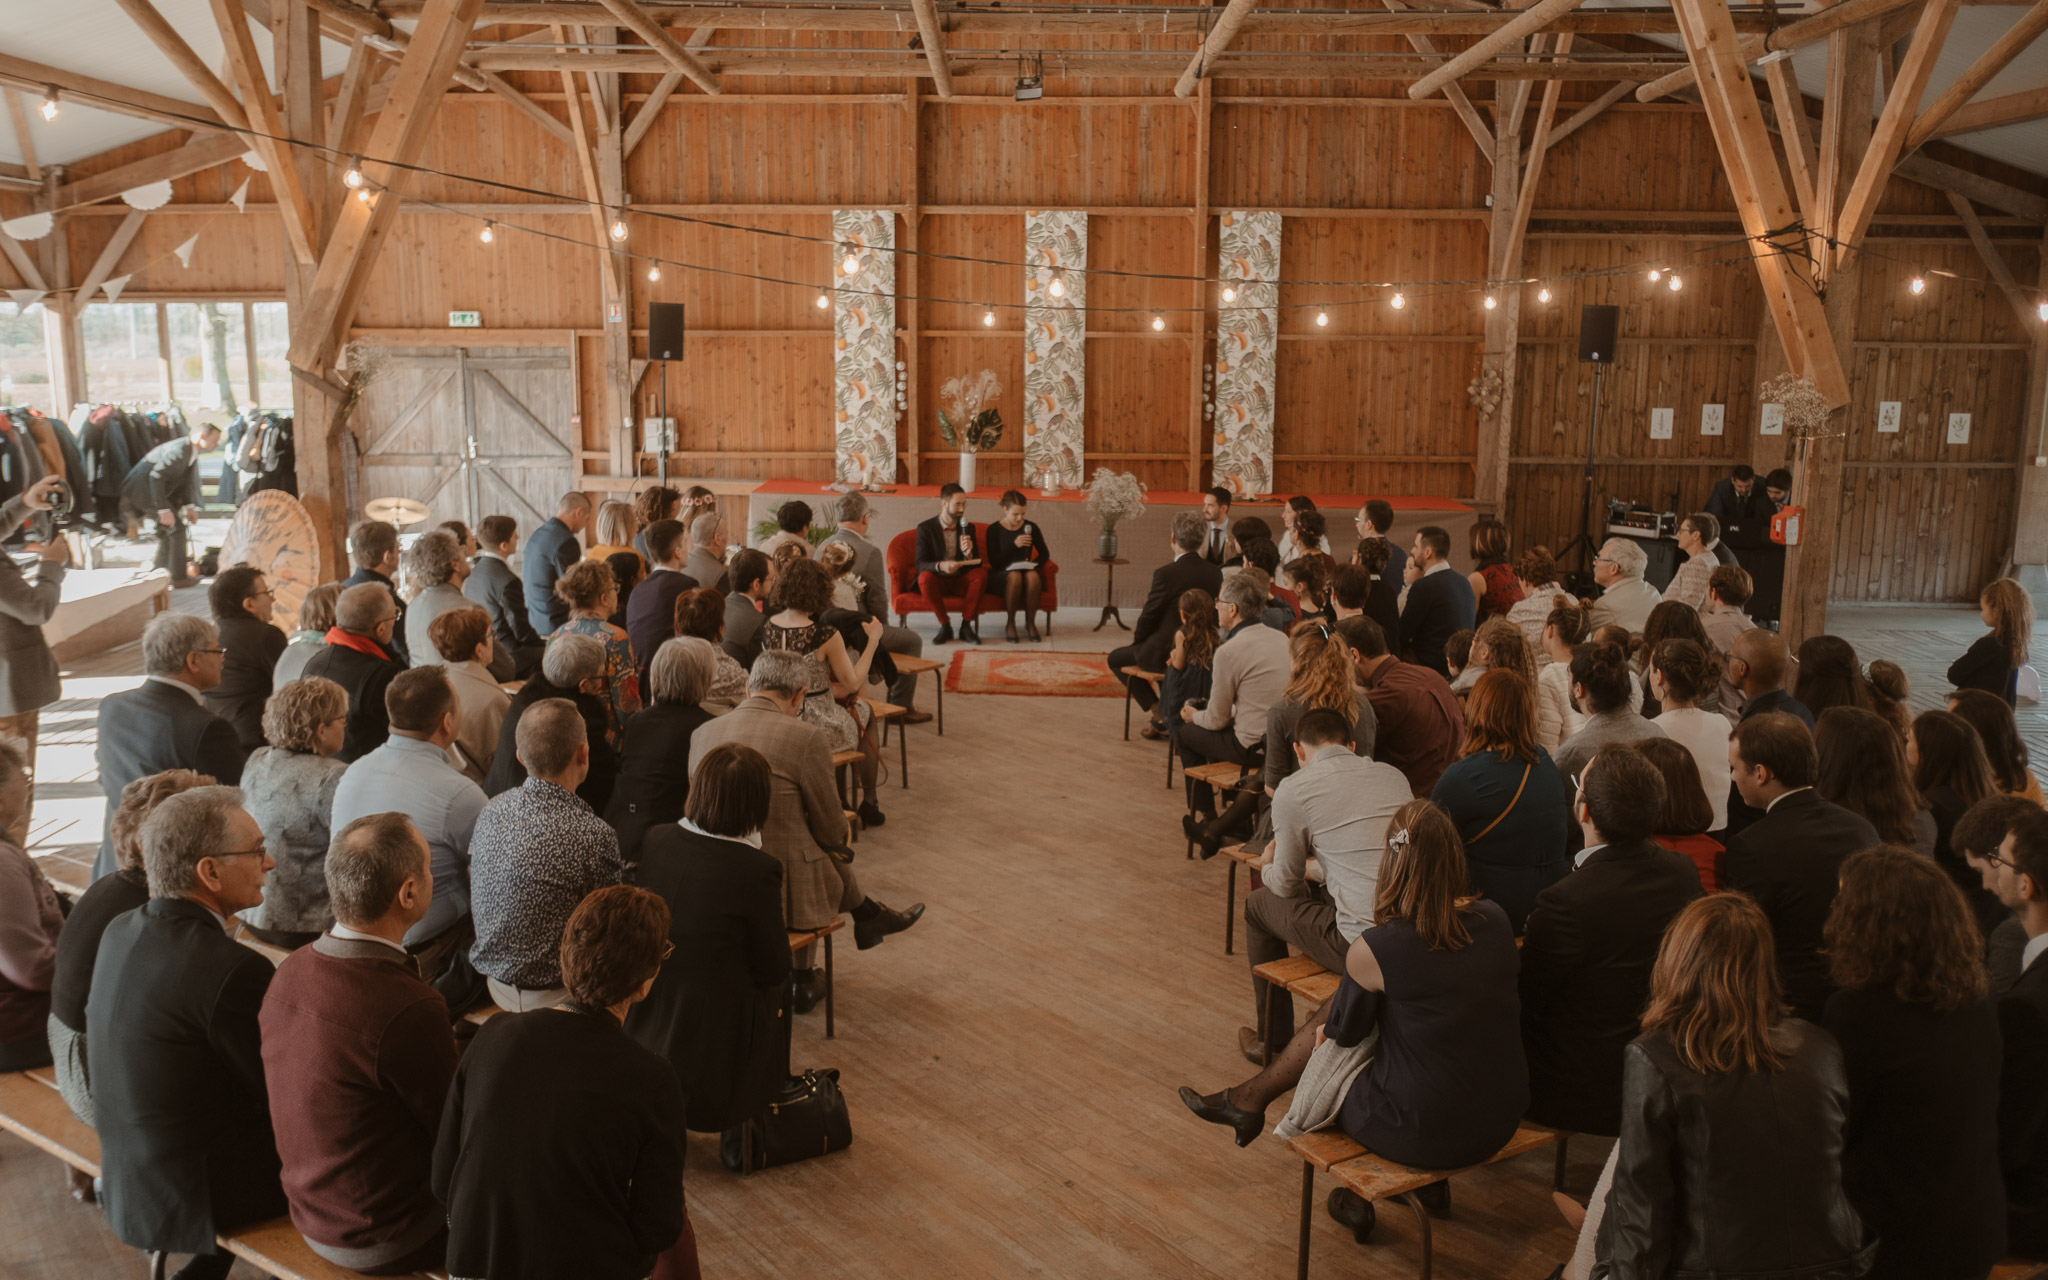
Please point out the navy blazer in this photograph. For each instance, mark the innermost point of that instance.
(549, 553)
(651, 616)
(1152, 637)
(1790, 861)
(148, 730)
(493, 585)
(1438, 605)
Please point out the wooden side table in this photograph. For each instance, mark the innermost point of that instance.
(1109, 610)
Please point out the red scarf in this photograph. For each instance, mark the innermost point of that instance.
(361, 644)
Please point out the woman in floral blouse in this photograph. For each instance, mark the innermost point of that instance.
(592, 594)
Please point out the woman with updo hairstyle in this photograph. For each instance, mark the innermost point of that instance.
(1889, 690)
(1863, 768)
(467, 647)
(1952, 773)
(1295, 541)
(800, 596)
(1687, 816)
(591, 591)
(1996, 728)
(1190, 666)
(655, 503)
(1682, 674)
(1321, 677)
(1500, 645)
(288, 787)
(1383, 602)
(1673, 621)
(700, 613)
(1536, 577)
(1495, 587)
(1565, 628)
(1830, 675)
(1309, 578)
(1505, 796)
(654, 769)
(1600, 688)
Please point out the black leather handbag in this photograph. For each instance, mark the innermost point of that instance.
(807, 1118)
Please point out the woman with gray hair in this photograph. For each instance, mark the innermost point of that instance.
(572, 667)
(291, 794)
(316, 619)
(654, 768)
(433, 570)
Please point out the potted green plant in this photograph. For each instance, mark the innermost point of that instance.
(1113, 496)
(969, 421)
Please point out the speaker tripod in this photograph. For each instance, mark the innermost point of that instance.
(1584, 544)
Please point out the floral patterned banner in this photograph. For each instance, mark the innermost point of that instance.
(1247, 334)
(864, 345)
(1055, 344)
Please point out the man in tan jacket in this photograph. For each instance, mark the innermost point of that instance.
(805, 817)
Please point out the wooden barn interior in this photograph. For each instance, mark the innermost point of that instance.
(466, 209)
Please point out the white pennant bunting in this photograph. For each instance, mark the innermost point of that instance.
(150, 195)
(33, 226)
(241, 196)
(26, 298)
(254, 161)
(184, 251)
(113, 287)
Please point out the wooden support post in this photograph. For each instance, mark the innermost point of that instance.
(271, 140)
(1888, 139)
(1201, 269)
(2030, 521)
(909, 279)
(61, 336)
(1802, 158)
(249, 356)
(622, 378)
(601, 212)
(1503, 322)
(643, 120)
(1510, 254)
(163, 352)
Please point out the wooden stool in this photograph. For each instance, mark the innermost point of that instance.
(1153, 678)
(841, 760)
(801, 938)
(1302, 976)
(1219, 775)
(917, 667)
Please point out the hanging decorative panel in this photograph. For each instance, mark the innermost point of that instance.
(1247, 333)
(864, 398)
(1055, 345)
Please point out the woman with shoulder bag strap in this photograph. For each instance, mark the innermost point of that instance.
(1506, 797)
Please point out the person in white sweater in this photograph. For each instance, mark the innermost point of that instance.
(1681, 672)
(1565, 627)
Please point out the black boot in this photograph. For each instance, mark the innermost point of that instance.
(1352, 1210)
(806, 989)
(881, 922)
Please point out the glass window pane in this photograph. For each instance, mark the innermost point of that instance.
(24, 360)
(273, 339)
(121, 362)
(209, 361)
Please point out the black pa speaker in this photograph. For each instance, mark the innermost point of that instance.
(665, 330)
(1599, 327)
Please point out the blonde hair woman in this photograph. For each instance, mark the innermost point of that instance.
(613, 532)
(1321, 677)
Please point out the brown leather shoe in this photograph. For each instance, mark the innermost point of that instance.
(1251, 1047)
(914, 716)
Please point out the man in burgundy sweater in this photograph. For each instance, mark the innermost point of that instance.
(358, 1055)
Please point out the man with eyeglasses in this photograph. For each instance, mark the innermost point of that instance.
(1625, 599)
(2021, 864)
(360, 658)
(164, 724)
(1975, 840)
(173, 1045)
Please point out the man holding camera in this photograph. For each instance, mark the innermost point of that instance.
(28, 670)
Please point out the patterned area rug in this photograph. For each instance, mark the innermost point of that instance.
(1032, 675)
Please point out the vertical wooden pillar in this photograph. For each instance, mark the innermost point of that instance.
(163, 351)
(1198, 293)
(609, 142)
(909, 281)
(1490, 478)
(62, 341)
(2030, 520)
(249, 355)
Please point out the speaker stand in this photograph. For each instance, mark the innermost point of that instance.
(661, 433)
(1584, 543)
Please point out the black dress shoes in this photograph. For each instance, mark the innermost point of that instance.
(870, 932)
(806, 989)
(970, 633)
(945, 635)
(1348, 1208)
(1216, 1109)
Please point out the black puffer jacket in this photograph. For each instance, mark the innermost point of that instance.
(1735, 1176)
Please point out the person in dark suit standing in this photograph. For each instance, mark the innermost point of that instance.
(2019, 875)
(715, 1012)
(1790, 859)
(373, 545)
(28, 670)
(1216, 514)
(163, 724)
(1440, 601)
(1591, 941)
(495, 585)
(1152, 638)
(654, 764)
(1744, 514)
(1372, 522)
(651, 613)
(549, 553)
(358, 657)
(750, 575)
(164, 487)
(173, 1045)
(945, 543)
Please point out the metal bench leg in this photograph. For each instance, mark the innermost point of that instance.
(829, 1032)
(1308, 1215)
(1414, 1202)
(902, 753)
(159, 1266)
(1230, 910)
(1172, 748)
(939, 678)
(1127, 705)
(1557, 1179)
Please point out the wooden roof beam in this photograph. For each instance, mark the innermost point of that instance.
(1803, 32)
(2011, 108)
(593, 189)
(929, 31)
(1454, 93)
(271, 140)
(1509, 259)
(1988, 64)
(1802, 157)
(104, 95)
(1214, 45)
(1525, 23)
(22, 136)
(2023, 305)
(1121, 65)
(632, 18)
(189, 64)
(1887, 140)
(104, 266)
(25, 266)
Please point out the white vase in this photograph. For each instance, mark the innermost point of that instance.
(967, 470)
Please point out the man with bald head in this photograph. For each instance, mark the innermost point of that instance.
(1758, 664)
(549, 553)
(359, 657)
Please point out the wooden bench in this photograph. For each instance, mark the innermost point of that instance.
(1233, 856)
(917, 667)
(1219, 775)
(1302, 976)
(884, 713)
(2018, 1269)
(1153, 678)
(801, 938)
(841, 761)
(1377, 1178)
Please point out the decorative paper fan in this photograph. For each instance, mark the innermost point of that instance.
(272, 532)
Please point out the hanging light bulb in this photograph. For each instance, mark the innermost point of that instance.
(1057, 288)
(1490, 303)
(50, 103)
(988, 317)
(1229, 293)
(654, 271)
(1323, 319)
(1655, 275)
(352, 177)
(850, 264)
(1158, 323)
(1919, 284)
(487, 235)
(1543, 295)
(1399, 302)
(1676, 283)
(618, 228)
(824, 301)
(2044, 310)
(363, 195)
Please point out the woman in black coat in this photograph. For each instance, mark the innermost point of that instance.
(241, 600)
(717, 1010)
(1921, 1046)
(654, 767)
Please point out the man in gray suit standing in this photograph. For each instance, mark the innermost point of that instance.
(28, 670)
(874, 575)
(706, 561)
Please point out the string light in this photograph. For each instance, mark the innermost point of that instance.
(487, 235)
(988, 317)
(1323, 319)
(1676, 283)
(1229, 293)
(1158, 323)
(618, 228)
(1543, 295)
(1919, 284)
(850, 265)
(352, 177)
(1655, 275)
(1399, 302)
(363, 195)
(823, 300)
(2044, 310)
(654, 271)
(1490, 303)
(1057, 288)
(50, 102)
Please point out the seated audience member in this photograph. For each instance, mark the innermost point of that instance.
(241, 601)
(750, 581)
(358, 1055)
(1790, 858)
(1216, 514)
(1919, 1040)
(1728, 590)
(1250, 675)
(1309, 577)
(1500, 645)
(1536, 578)
(1334, 805)
(654, 777)
(173, 1043)
(1952, 775)
(1189, 668)
(701, 615)
(1419, 726)
(805, 819)
(1506, 799)
(465, 540)
(1862, 767)
(1830, 675)
(1698, 536)
(410, 774)
(290, 788)
(30, 918)
(1321, 678)
(373, 545)
(316, 619)
(78, 945)
(871, 568)
(705, 561)
(1889, 693)
(1731, 1113)
(1993, 661)
(572, 668)
(1244, 531)
(1152, 636)
(652, 505)
(1495, 587)
(1565, 628)
(561, 1147)
(1626, 643)
(1373, 522)
(1282, 608)
(1976, 839)
(359, 658)
(1458, 665)
(651, 613)
(1600, 686)
(1669, 621)
(614, 530)
(592, 593)
(802, 596)
(1295, 541)
(1591, 941)
(2022, 868)
(494, 584)
(627, 571)
(949, 561)
(1680, 674)
(2003, 747)
(1625, 599)
(538, 851)
(793, 526)
(1757, 666)
(716, 1010)
(1439, 602)
(1435, 976)
(436, 571)
(462, 637)
(1368, 588)
(1686, 816)
(1017, 555)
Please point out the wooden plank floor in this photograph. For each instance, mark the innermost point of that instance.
(1011, 1062)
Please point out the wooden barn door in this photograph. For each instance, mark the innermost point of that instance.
(470, 432)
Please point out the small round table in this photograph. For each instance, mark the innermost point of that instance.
(1109, 610)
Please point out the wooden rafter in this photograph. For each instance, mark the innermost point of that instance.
(593, 189)
(109, 261)
(1802, 157)
(25, 266)
(345, 121)
(2023, 306)
(25, 139)
(1639, 67)
(1454, 93)
(934, 38)
(1214, 45)
(105, 95)
(643, 119)
(1796, 35)
(634, 19)
(189, 64)
(1888, 137)
(1990, 113)
(1509, 34)
(1988, 64)
(1585, 115)
(1509, 257)
(270, 140)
